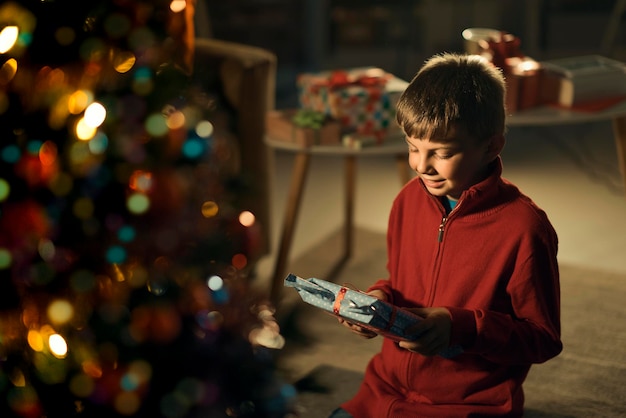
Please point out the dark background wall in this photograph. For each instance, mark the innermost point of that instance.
(397, 35)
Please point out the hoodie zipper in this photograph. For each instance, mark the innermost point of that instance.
(442, 226)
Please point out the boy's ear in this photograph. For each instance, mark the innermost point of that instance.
(495, 146)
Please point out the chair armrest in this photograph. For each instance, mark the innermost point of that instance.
(232, 60)
(246, 78)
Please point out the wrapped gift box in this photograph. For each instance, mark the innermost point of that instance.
(363, 100)
(360, 308)
(280, 126)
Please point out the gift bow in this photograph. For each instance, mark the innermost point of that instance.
(339, 79)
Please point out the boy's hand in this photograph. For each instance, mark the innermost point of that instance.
(434, 331)
(356, 328)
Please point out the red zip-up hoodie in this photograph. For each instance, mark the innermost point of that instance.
(492, 263)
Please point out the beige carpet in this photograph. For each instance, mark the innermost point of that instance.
(587, 380)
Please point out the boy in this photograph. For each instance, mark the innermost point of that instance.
(468, 252)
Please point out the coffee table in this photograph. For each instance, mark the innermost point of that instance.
(545, 116)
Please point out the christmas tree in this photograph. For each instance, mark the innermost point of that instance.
(124, 258)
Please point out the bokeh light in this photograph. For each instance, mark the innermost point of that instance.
(156, 125)
(95, 115)
(7, 72)
(48, 153)
(116, 254)
(239, 261)
(60, 311)
(46, 249)
(141, 181)
(194, 148)
(99, 143)
(6, 259)
(215, 283)
(121, 220)
(246, 218)
(204, 129)
(138, 203)
(178, 5)
(175, 120)
(8, 37)
(58, 346)
(11, 154)
(35, 340)
(5, 189)
(84, 131)
(126, 233)
(78, 101)
(209, 209)
(124, 61)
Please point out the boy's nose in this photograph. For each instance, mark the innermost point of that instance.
(422, 164)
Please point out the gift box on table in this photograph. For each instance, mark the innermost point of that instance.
(284, 125)
(363, 100)
(360, 308)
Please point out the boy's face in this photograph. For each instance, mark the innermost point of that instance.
(450, 165)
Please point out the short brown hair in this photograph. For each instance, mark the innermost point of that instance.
(454, 89)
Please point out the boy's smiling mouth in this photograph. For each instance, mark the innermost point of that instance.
(433, 183)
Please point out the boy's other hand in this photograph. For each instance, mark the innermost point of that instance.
(357, 329)
(434, 331)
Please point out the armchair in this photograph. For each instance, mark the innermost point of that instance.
(243, 78)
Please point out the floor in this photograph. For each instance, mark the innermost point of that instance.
(570, 171)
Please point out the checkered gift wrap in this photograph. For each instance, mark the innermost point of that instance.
(357, 307)
(367, 111)
(362, 100)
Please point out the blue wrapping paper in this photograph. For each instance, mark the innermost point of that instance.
(356, 307)
(359, 308)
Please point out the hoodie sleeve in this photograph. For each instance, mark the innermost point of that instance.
(532, 332)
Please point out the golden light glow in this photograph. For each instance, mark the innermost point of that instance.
(57, 345)
(8, 71)
(246, 218)
(204, 129)
(124, 61)
(178, 5)
(18, 379)
(176, 120)
(84, 132)
(78, 101)
(209, 209)
(35, 340)
(60, 311)
(95, 115)
(8, 37)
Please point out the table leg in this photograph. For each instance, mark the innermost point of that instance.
(294, 198)
(350, 172)
(619, 131)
